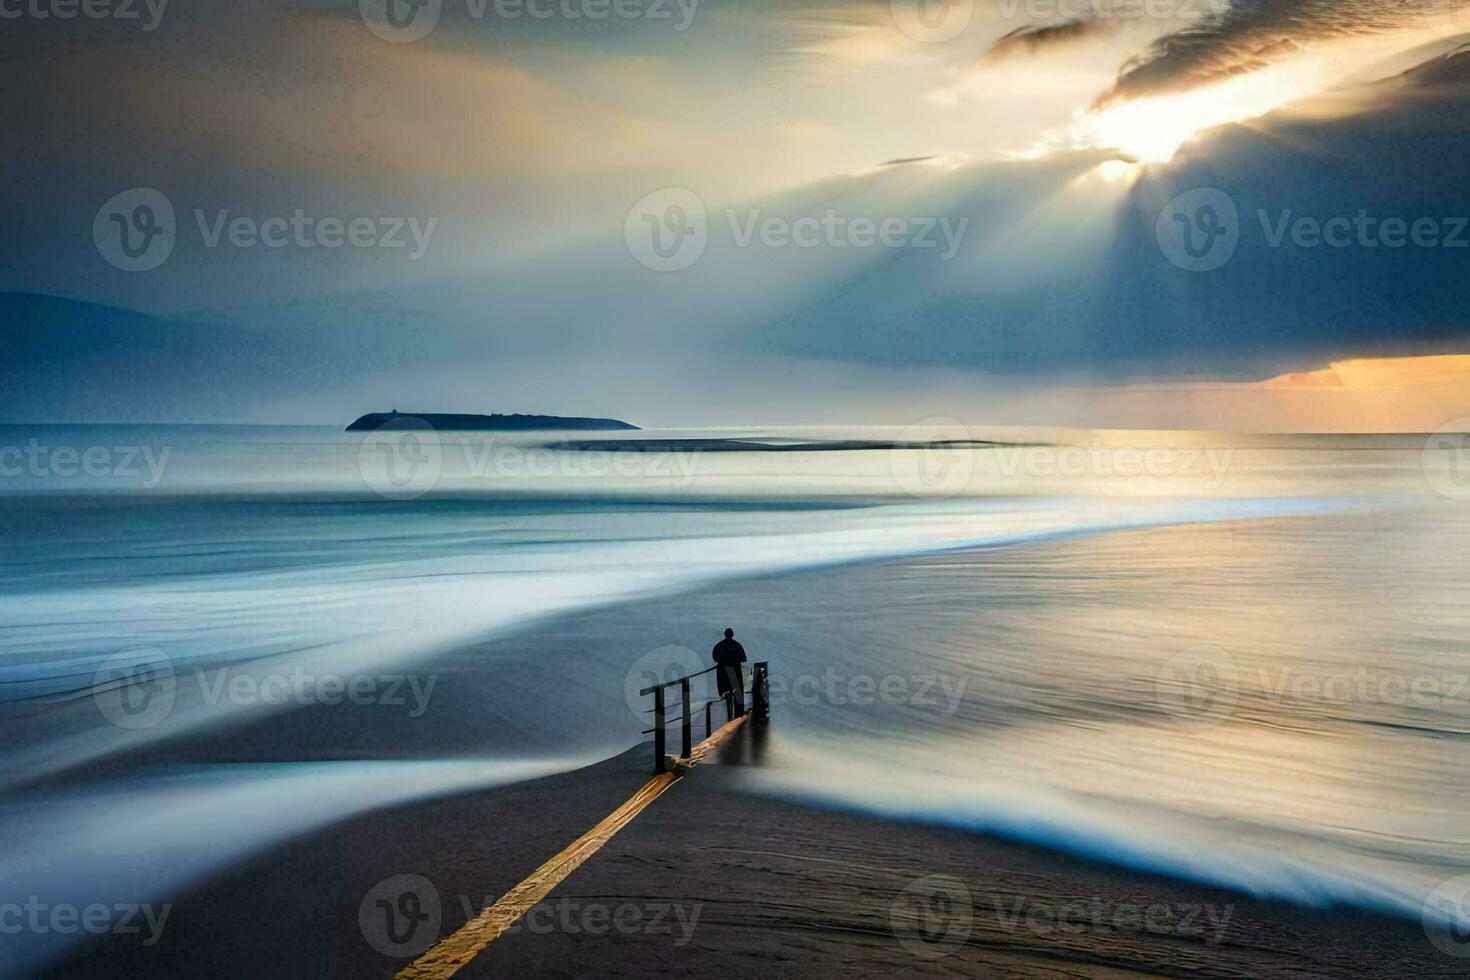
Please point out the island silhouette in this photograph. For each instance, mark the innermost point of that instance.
(462, 422)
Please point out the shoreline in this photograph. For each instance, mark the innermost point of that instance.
(714, 879)
(475, 845)
(793, 890)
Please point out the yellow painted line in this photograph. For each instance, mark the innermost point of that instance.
(452, 953)
(704, 748)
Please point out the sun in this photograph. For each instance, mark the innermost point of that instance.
(1153, 129)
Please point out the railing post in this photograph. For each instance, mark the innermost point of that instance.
(659, 763)
(688, 745)
(760, 704)
(760, 692)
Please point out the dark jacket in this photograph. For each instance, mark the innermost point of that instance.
(729, 655)
(729, 652)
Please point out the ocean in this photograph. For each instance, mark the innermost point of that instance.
(1237, 659)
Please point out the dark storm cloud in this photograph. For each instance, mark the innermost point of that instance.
(1041, 37)
(1251, 34)
(1134, 313)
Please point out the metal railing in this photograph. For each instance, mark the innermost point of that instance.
(759, 707)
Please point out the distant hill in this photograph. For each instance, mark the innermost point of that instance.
(65, 360)
(518, 423)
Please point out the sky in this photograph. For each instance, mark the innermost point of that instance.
(726, 212)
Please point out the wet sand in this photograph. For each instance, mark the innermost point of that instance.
(713, 880)
(292, 910)
(763, 888)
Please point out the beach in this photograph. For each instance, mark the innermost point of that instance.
(807, 849)
(1254, 698)
(715, 880)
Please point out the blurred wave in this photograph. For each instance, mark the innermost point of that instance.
(1055, 706)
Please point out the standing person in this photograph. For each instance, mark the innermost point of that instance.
(730, 678)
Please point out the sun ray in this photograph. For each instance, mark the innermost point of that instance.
(1154, 129)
